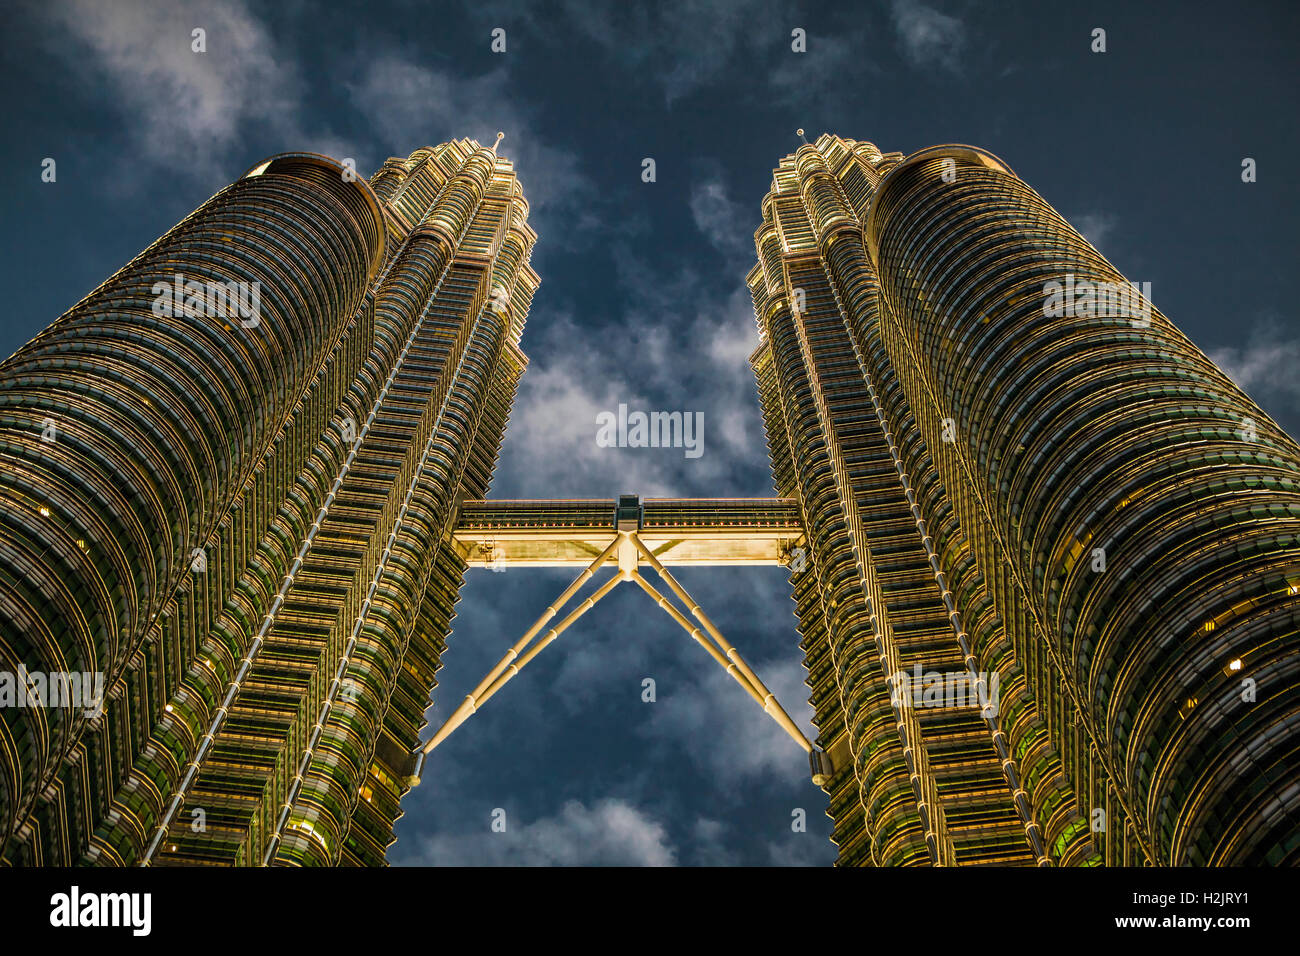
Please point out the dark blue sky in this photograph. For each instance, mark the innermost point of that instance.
(642, 297)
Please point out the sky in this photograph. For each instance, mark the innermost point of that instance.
(643, 300)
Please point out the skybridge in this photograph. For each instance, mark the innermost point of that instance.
(563, 532)
(629, 534)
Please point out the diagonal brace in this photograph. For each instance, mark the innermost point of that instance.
(724, 653)
(714, 643)
(506, 667)
(514, 668)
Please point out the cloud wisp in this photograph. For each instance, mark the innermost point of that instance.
(190, 79)
(1264, 364)
(405, 102)
(927, 37)
(610, 832)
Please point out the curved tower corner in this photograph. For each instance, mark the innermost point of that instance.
(1003, 477)
(240, 519)
(130, 429)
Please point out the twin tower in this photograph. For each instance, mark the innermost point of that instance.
(241, 483)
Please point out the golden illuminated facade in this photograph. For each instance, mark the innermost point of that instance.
(235, 514)
(243, 479)
(1000, 475)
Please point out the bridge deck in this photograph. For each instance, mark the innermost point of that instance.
(679, 531)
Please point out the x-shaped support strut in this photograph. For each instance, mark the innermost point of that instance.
(628, 546)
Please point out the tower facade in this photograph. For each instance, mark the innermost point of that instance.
(1049, 607)
(228, 477)
(1045, 556)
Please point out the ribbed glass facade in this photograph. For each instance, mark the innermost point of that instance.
(238, 518)
(998, 467)
(1002, 476)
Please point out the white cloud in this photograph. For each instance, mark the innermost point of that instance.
(709, 844)
(550, 447)
(743, 744)
(682, 343)
(816, 77)
(706, 332)
(187, 110)
(411, 106)
(192, 111)
(684, 44)
(1264, 365)
(1096, 227)
(728, 225)
(928, 37)
(733, 338)
(610, 833)
(801, 849)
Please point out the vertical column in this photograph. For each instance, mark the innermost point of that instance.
(130, 424)
(1145, 510)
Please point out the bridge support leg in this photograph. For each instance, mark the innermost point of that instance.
(506, 667)
(766, 699)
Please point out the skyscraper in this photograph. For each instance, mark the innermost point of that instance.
(1049, 606)
(226, 475)
(1045, 556)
